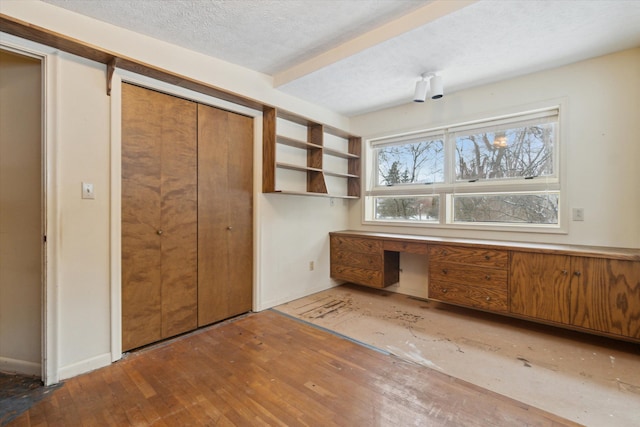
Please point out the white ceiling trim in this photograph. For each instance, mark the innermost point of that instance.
(422, 16)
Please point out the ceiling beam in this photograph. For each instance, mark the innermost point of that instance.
(428, 13)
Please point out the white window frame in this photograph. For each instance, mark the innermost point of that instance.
(446, 190)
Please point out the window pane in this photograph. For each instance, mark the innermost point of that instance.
(518, 152)
(507, 208)
(418, 162)
(423, 208)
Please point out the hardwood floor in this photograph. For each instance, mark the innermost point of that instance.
(269, 369)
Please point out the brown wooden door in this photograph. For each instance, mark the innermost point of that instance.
(606, 295)
(540, 286)
(159, 216)
(225, 214)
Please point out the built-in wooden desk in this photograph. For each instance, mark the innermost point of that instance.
(592, 289)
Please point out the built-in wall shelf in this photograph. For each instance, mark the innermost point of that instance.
(296, 143)
(308, 193)
(341, 175)
(344, 155)
(303, 157)
(296, 167)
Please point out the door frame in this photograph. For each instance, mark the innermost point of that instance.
(50, 223)
(122, 76)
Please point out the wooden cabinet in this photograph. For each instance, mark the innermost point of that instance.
(590, 289)
(363, 261)
(598, 294)
(469, 276)
(159, 216)
(318, 169)
(225, 214)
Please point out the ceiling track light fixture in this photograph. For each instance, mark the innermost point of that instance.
(422, 87)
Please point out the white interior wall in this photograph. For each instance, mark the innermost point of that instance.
(294, 232)
(600, 150)
(83, 241)
(20, 214)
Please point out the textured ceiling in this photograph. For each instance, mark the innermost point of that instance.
(483, 42)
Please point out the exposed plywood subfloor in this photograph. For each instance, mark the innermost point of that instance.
(591, 380)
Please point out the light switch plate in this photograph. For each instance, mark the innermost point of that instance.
(87, 191)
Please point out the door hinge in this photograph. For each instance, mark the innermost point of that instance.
(44, 238)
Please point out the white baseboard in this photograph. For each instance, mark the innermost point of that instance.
(20, 366)
(83, 366)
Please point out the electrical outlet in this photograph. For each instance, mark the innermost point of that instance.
(578, 214)
(312, 266)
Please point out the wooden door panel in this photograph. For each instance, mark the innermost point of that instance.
(225, 216)
(179, 216)
(240, 205)
(141, 295)
(213, 219)
(159, 216)
(540, 286)
(606, 295)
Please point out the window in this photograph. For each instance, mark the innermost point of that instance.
(496, 172)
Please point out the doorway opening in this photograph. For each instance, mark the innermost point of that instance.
(21, 213)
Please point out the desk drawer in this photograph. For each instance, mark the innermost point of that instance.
(360, 276)
(467, 255)
(476, 276)
(354, 244)
(411, 247)
(357, 259)
(486, 298)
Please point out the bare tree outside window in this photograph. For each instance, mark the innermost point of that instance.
(519, 152)
(418, 162)
(408, 208)
(507, 208)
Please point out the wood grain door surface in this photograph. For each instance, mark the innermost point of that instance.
(605, 295)
(225, 214)
(159, 216)
(540, 286)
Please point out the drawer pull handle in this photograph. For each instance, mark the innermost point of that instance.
(444, 290)
(443, 253)
(159, 232)
(445, 271)
(577, 273)
(488, 298)
(565, 272)
(487, 257)
(488, 277)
